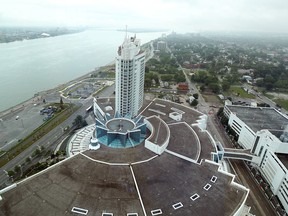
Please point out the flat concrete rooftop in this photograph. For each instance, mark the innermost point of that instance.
(163, 108)
(184, 141)
(259, 118)
(163, 181)
(160, 133)
(106, 180)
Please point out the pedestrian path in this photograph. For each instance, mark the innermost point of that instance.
(81, 140)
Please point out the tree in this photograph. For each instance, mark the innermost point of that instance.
(196, 95)
(179, 77)
(17, 168)
(61, 103)
(214, 87)
(167, 77)
(79, 122)
(37, 152)
(225, 85)
(202, 88)
(28, 159)
(147, 69)
(11, 173)
(194, 103)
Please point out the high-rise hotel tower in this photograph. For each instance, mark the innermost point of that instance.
(130, 71)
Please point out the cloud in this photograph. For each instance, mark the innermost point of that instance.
(184, 15)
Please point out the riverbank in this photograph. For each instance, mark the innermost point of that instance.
(32, 66)
(12, 34)
(38, 97)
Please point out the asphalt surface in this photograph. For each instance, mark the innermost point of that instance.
(32, 119)
(17, 125)
(49, 141)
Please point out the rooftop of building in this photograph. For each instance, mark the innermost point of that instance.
(106, 180)
(120, 125)
(160, 130)
(259, 118)
(96, 186)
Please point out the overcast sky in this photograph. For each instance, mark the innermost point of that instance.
(178, 15)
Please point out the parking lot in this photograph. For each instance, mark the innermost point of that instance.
(18, 124)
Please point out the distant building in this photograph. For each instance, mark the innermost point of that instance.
(161, 45)
(247, 78)
(228, 102)
(45, 34)
(245, 71)
(221, 97)
(130, 71)
(183, 86)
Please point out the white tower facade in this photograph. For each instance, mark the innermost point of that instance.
(130, 71)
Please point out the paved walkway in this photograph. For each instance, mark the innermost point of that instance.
(81, 140)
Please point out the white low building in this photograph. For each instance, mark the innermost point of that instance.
(264, 131)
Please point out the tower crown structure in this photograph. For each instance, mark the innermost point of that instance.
(130, 71)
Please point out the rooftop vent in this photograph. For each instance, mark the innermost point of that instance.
(194, 197)
(213, 179)
(79, 211)
(207, 187)
(177, 205)
(107, 214)
(156, 212)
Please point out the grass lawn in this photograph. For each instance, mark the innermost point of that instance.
(111, 74)
(269, 96)
(239, 92)
(283, 103)
(213, 99)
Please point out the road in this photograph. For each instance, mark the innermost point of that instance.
(258, 202)
(55, 136)
(203, 106)
(49, 141)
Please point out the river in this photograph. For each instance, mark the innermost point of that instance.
(31, 66)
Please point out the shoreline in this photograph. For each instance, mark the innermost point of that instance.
(39, 95)
(38, 33)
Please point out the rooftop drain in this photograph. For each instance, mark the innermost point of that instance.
(156, 212)
(177, 205)
(213, 179)
(207, 187)
(194, 197)
(79, 211)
